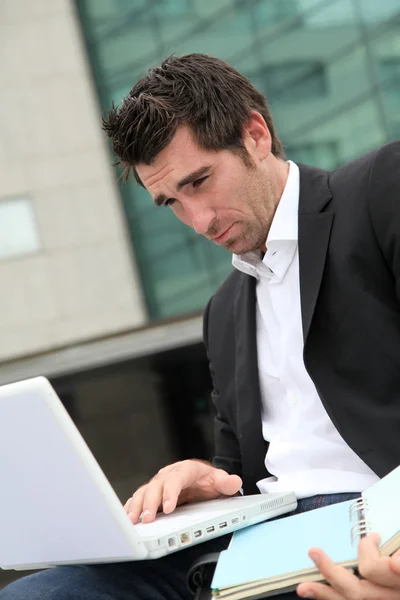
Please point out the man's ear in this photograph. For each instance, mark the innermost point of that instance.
(256, 136)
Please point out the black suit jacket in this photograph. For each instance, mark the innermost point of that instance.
(349, 256)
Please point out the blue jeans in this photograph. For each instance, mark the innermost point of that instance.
(162, 579)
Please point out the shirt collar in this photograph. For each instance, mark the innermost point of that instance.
(283, 231)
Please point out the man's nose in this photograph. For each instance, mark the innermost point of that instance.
(201, 219)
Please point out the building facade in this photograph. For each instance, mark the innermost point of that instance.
(86, 260)
(64, 248)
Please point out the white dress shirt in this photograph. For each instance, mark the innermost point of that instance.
(306, 452)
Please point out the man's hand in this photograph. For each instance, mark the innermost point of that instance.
(181, 482)
(381, 575)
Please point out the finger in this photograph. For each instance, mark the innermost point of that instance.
(226, 484)
(366, 591)
(319, 591)
(394, 563)
(171, 493)
(375, 568)
(343, 581)
(134, 506)
(127, 505)
(152, 500)
(184, 475)
(193, 480)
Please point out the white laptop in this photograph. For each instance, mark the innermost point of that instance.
(57, 507)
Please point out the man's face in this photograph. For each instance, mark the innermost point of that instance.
(216, 193)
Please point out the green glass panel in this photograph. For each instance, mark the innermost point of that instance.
(329, 68)
(385, 50)
(269, 14)
(376, 13)
(324, 154)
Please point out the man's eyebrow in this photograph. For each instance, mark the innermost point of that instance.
(162, 198)
(192, 177)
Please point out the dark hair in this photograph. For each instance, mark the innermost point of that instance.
(197, 90)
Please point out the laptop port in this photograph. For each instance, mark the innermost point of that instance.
(198, 533)
(223, 525)
(185, 538)
(210, 529)
(171, 542)
(235, 521)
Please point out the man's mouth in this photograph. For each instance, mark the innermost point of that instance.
(222, 236)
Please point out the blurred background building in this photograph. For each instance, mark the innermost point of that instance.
(101, 291)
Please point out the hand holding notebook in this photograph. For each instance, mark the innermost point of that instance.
(273, 558)
(380, 575)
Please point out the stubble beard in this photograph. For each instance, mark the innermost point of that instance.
(248, 241)
(254, 234)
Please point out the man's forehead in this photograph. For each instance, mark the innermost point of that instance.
(182, 155)
(152, 174)
(182, 144)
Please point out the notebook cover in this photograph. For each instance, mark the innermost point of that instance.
(277, 548)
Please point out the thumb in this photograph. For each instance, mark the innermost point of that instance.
(395, 562)
(226, 484)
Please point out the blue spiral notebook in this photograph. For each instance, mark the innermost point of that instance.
(272, 558)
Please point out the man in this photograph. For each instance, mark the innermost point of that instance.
(303, 337)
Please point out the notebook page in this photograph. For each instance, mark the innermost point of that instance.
(383, 506)
(276, 548)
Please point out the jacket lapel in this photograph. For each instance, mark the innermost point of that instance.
(314, 232)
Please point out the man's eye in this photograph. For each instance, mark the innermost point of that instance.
(169, 202)
(198, 182)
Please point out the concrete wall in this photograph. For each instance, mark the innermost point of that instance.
(82, 282)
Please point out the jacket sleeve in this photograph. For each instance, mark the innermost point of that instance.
(226, 444)
(384, 204)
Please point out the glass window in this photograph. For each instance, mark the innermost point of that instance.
(328, 15)
(330, 71)
(18, 230)
(354, 131)
(389, 71)
(291, 82)
(175, 8)
(271, 13)
(377, 12)
(324, 154)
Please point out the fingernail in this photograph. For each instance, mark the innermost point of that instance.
(306, 595)
(315, 558)
(166, 504)
(145, 513)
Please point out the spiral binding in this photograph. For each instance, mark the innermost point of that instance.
(358, 510)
